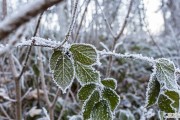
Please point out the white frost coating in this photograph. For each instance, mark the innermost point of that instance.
(148, 87)
(97, 58)
(46, 113)
(64, 90)
(109, 79)
(75, 117)
(104, 46)
(40, 42)
(172, 101)
(146, 114)
(85, 102)
(119, 100)
(175, 77)
(127, 55)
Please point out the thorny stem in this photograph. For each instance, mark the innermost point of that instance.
(71, 25)
(117, 37)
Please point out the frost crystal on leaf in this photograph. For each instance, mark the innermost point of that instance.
(109, 82)
(86, 74)
(152, 91)
(86, 91)
(84, 53)
(89, 104)
(62, 68)
(111, 96)
(165, 73)
(101, 111)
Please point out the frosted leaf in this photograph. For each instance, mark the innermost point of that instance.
(165, 73)
(165, 104)
(84, 53)
(85, 91)
(152, 91)
(101, 111)
(89, 104)
(62, 68)
(111, 96)
(109, 82)
(86, 74)
(174, 96)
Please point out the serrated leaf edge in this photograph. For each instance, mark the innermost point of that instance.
(119, 100)
(97, 58)
(98, 80)
(85, 85)
(108, 79)
(54, 81)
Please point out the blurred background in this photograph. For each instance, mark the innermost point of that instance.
(147, 27)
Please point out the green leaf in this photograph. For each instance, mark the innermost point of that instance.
(152, 91)
(62, 68)
(86, 74)
(109, 82)
(165, 73)
(89, 104)
(101, 111)
(86, 91)
(84, 53)
(111, 96)
(174, 96)
(164, 104)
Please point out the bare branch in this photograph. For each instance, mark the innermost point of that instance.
(28, 11)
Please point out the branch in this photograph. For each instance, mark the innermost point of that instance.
(23, 15)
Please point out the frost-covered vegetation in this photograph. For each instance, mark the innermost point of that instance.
(88, 60)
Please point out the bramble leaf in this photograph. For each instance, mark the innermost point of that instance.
(152, 91)
(86, 74)
(62, 68)
(84, 53)
(164, 104)
(174, 96)
(89, 104)
(109, 82)
(101, 111)
(111, 96)
(165, 73)
(86, 91)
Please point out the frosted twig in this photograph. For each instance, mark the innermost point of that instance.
(71, 24)
(38, 41)
(132, 56)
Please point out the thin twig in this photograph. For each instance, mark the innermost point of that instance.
(82, 18)
(5, 113)
(71, 25)
(118, 36)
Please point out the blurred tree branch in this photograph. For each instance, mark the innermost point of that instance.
(28, 11)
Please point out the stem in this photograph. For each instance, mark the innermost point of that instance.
(18, 100)
(117, 37)
(71, 25)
